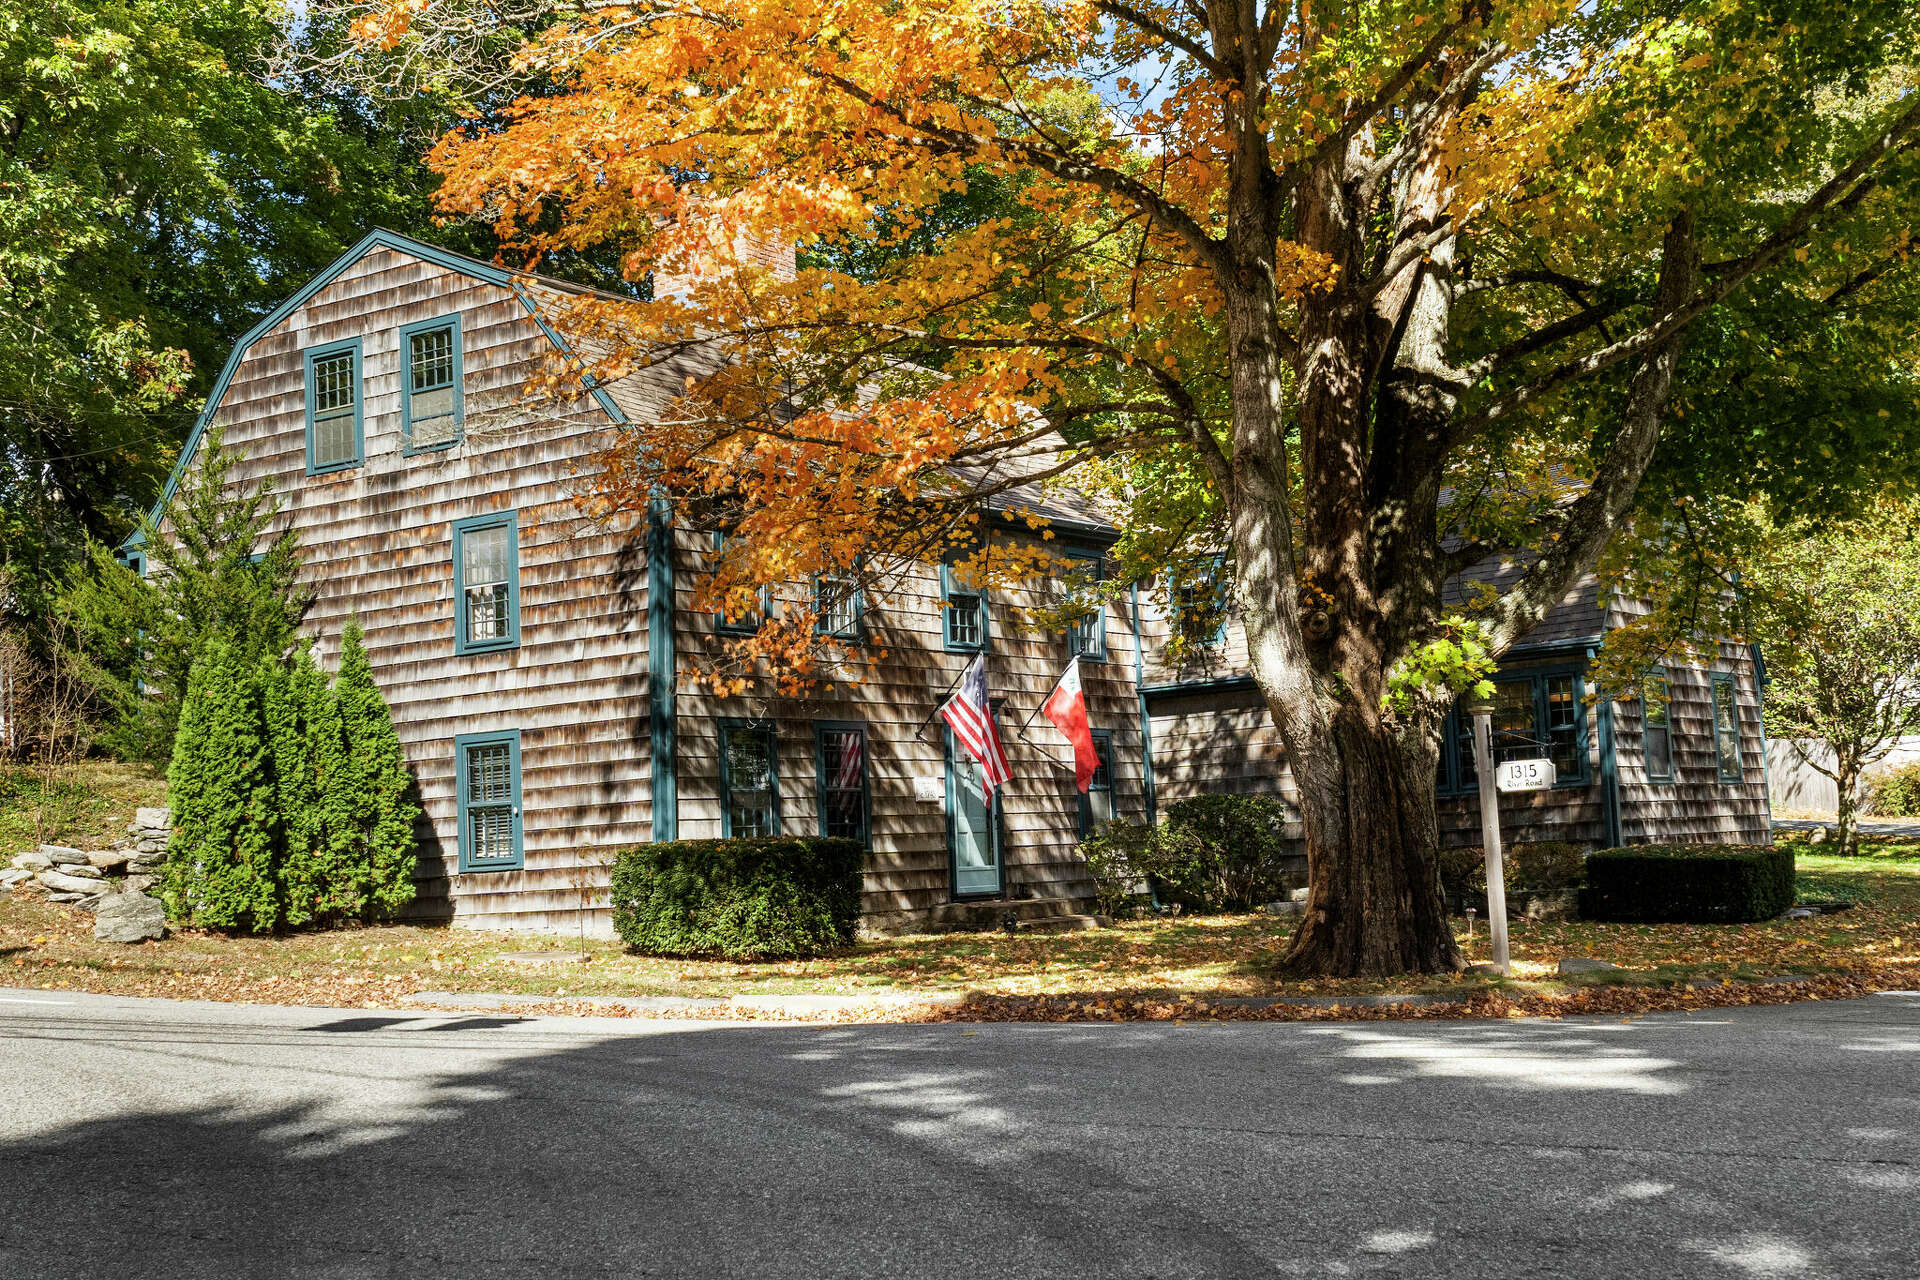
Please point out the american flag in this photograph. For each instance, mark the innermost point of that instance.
(970, 717)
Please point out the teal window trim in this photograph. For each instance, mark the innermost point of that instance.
(729, 729)
(856, 627)
(1457, 730)
(463, 746)
(310, 357)
(744, 627)
(510, 639)
(1665, 774)
(821, 728)
(951, 590)
(1087, 636)
(137, 561)
(407, 446)
(1723, 680)
(1102, 781)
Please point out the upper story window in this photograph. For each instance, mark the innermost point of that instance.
(1726, 730)
(333, 407)
(1199, 601)
(1656, 725)
(737, 615)
(839, 604)
(1087, 634)
(965, 613)
(486, 583)
(431, 403)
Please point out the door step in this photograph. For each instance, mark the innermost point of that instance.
(992, 913)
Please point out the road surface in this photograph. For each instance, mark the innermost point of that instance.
(171, 1139)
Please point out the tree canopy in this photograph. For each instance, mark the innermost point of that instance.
(1356, 295)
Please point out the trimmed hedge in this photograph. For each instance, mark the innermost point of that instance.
(1223, 853)
(1691, 884)
(771, 898)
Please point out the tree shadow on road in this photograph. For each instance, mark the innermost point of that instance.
(389, 1145)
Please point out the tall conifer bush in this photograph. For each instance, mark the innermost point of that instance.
(382, 811)
(222, 856)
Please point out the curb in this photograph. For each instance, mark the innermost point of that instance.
(794, 1006)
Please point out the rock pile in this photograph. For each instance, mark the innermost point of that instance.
(112, 883)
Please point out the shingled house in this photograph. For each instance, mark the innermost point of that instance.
(536, 662)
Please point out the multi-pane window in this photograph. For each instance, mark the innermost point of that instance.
(1087, 634)
(836, 600)
(1534, 717)
(1096, 806)
(1726, 729)
(1199, 600)
(843, 781)
(489, 795)
(487, 583)
(744, 609)
(966, 612)
(430, 356)
(749, 784)
(333, 407)
(1656, 726)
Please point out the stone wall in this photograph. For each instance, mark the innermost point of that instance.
(113, 883)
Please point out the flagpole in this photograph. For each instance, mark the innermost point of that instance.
(941, 701)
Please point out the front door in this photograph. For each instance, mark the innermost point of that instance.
(973, 836)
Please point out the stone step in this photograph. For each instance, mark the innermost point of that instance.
(1062, 924)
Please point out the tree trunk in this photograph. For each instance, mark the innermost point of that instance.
(1374, 906)
(1846, 776)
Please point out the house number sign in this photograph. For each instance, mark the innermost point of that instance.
(1525, 775)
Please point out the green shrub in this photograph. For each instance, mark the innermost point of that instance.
(1895, 792)
(1546, 866)
(1222, 853)
(1121, 859)
(773, 898)
(1704, 884)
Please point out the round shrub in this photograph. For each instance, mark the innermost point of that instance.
(1122, 859)
(1223, 853)
(773, 898)
(1692, 884)
(1895, 792)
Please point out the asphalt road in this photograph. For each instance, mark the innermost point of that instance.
(150, 1138)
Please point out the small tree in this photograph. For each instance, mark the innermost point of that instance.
(221, 856)
(1841, 607)
(377, 783)
(203, 583)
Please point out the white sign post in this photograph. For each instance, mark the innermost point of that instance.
(1490, 834)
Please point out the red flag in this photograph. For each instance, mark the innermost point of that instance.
(970, 716)
(1066, 706)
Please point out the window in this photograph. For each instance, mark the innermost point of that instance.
(839, 604)
(1726, 729)
(1087, 635)
(749, 781)
(489, 792)
(1199, 602)
(1096, 806)
(965, 612)
(486, 583)
(744, 620)
(431, 403)
(1534, 717)
(333, 407)
(842, 760)
(1656, 725)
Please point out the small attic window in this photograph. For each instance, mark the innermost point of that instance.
(431, 408)
(333, 407)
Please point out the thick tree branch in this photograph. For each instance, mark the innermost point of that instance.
(1160, 31)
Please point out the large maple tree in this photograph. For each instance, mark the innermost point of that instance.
(1355, 294)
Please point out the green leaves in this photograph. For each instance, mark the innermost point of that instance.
(1455, 661)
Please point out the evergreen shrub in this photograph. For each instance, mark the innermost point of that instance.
(767, 898)
(1695, 884)
(1223, 853)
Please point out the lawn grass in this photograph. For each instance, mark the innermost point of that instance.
(1200, 957)
(88, 804)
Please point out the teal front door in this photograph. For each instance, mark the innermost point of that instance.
(973, 836)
